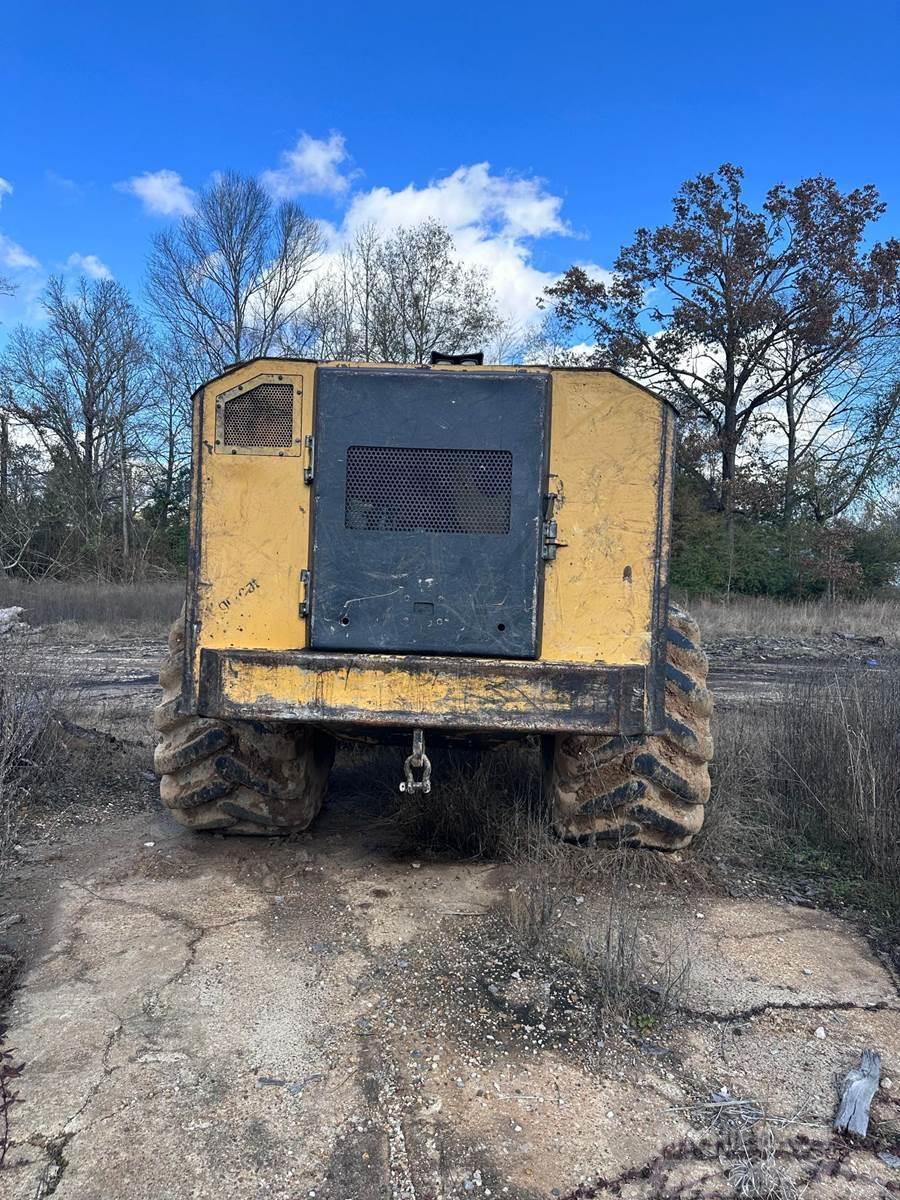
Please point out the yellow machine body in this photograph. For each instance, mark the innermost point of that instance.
(602, 591)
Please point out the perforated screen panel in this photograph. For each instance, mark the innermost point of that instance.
(261, 416)
(393, 489)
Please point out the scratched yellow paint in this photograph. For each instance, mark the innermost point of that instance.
(606, 454)
(389, 691)
(605, 457)
(254, 526)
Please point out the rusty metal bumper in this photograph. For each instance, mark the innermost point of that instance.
(424, 691)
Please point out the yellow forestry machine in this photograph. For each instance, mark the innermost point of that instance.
(432, 551)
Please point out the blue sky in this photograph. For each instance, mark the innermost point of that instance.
(589, 115)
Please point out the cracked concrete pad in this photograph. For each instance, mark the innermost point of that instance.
(748, 955)
(69, 1016)
(205, 1017)
(777, 1060)
(553, 1121)
(175, 1037)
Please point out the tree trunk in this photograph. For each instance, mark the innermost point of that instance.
(123, 470)
(729, 460)
(169, 479)
(789, 504)
(4, 460)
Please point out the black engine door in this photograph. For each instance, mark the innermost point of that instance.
(427, 510)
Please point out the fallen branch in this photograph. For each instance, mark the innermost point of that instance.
(857, 1094)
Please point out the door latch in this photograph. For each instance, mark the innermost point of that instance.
(550, 529)
(304, 593)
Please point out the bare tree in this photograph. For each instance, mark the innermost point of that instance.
(698, 308)
(19, 483)
(837, 430)
(7, 287)
(430, 300)
(165, 429)
(78, 383)
(226, 281)
(396, 298)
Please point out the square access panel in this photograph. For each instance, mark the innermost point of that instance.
(427, 510)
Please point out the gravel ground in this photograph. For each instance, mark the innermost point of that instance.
(332, 1017)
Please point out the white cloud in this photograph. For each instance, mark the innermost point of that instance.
(88, 264)
(6, 188)
(494, 219)
(312, 167)
(62, 183)
(162, 193)
(14, 256)
(470, 197)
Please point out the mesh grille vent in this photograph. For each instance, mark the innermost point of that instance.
(397, 489)
(260, 417)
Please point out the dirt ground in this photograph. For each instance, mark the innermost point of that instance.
(332, 1017)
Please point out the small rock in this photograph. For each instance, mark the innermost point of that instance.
(652, 1048)
(149, 845)
(9, 618)
(699, 916)
(415, 866)
(890, 1160)
(807, 971)
(820, 1032)
(887, 1084)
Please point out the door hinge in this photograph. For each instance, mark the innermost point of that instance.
(309, 471)
(548, 548)
(304, 593)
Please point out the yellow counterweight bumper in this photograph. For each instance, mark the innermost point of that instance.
(425, 691)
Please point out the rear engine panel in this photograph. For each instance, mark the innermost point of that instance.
(455, 547)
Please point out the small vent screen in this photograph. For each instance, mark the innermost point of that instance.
(397, 489)
(262, 416)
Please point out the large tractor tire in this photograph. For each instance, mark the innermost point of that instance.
(650, 791)
(235, 776)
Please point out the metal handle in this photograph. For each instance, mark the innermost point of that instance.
(309, 471)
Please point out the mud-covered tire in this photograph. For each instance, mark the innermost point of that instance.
(642, 792)
(243, 777)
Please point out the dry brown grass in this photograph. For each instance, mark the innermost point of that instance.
(145, 608)
(836, 768)
(484, 804)
(743, 810)
(30, 735)
(755, 616)
(820, 767)
(584, 909)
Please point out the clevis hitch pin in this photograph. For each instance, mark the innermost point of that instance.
(418, 761)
